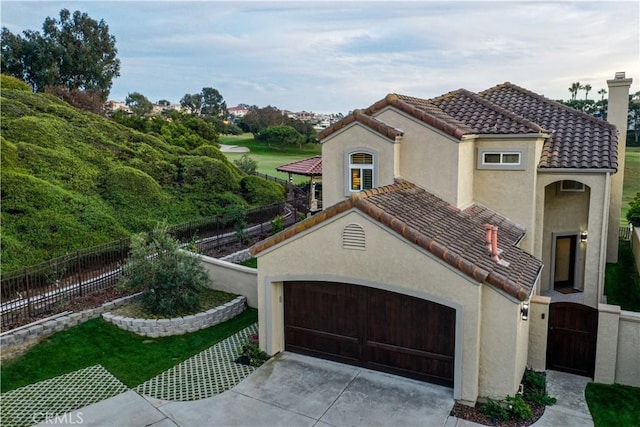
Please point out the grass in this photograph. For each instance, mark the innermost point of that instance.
(253, 263)
(622, 283)
(269, 158)
(613, 405)
(631, 181)
(131, 358)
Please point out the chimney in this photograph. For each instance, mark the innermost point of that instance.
(488, 231)
(617, 112)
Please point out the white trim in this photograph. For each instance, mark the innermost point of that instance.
(580, 189)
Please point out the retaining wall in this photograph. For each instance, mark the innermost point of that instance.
(179, 325)
(57, 323)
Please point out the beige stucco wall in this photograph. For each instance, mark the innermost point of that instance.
(538, 329)
(233, 278)
(592, 275)
(428, 158)
(635, 247)
(628, 358)
(334, 168)
(607, 343)
(389, 262)
(510, 192)
(504, 345)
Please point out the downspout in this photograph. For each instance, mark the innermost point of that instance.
(603, 241)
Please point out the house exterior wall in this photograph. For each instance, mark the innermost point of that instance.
(428, 158)
(504, 345)
(538, 330)
(406, 269)
(569, 214)
(510, 192)
(334, 166)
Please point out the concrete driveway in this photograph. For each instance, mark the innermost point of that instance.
(295, 390)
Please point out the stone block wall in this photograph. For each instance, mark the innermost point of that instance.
(154, 328)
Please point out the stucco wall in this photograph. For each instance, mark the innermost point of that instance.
(538, 328)
(389, 262)
(504, 344)
(334, 169)
(510, 192)
(635, 247)
(233, 278)
(618, 346)
(570, 220)
(428, 158)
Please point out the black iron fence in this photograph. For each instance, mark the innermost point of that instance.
(44, 288)
(625, 233)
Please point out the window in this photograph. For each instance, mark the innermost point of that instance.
(495, 158)
(499, 159)
(571, 186)
(360, 171)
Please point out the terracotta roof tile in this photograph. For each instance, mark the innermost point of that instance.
(578, 140)
(371, 122)
(453, 235)
(307, 167)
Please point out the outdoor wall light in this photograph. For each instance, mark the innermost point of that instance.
(524, 310)
(583, 236)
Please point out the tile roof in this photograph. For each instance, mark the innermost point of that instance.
(307, 167)
(574, 139)
(455, 236)
(578, 140)
(361, 117)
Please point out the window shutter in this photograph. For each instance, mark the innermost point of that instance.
(353, 237)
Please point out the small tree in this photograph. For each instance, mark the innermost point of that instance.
(170, 278)
(633, 214)
(246, 164)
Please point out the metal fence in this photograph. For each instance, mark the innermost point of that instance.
(45, 288)
(625, 233)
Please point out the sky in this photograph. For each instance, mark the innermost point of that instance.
(330, 57)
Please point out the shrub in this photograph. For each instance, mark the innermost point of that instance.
(10, 82)
(633, 214)
(518, 407)
(204, 174)
(535, 388)
(258, 191)
(171, 279)
(277, 224)
(250, 353)
(495, 410)
(246, 164)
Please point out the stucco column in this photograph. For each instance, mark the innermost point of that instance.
(617, 111)
(538, 327)
(607, 346)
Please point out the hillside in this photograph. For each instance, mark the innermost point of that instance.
(72, 179)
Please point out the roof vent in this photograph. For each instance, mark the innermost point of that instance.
(620, 75)
(353, 237)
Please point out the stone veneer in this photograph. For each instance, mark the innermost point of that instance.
(57, 323)
(179, 325)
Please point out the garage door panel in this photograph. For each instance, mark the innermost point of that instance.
(372, 328)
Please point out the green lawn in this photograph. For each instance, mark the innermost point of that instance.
(269, 158)
(621, 282)
(132, 358)
(631, 180)
(613, 405)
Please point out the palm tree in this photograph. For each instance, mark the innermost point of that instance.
(602, 93)
(575, 87)
(587, 88)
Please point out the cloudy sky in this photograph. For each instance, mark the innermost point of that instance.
(334, 57)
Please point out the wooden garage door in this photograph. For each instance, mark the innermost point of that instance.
(371, 328)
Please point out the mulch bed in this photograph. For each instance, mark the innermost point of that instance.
(473, 413)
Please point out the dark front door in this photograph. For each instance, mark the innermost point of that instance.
(571, 339)
(565, 262)
(372, 328)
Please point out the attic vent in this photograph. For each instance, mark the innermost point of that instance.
(353, 237)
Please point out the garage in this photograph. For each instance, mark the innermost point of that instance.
(372, 328)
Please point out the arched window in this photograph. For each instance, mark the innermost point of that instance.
(360, 171)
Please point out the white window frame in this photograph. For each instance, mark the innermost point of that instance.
(483, 164)
(373, 167)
